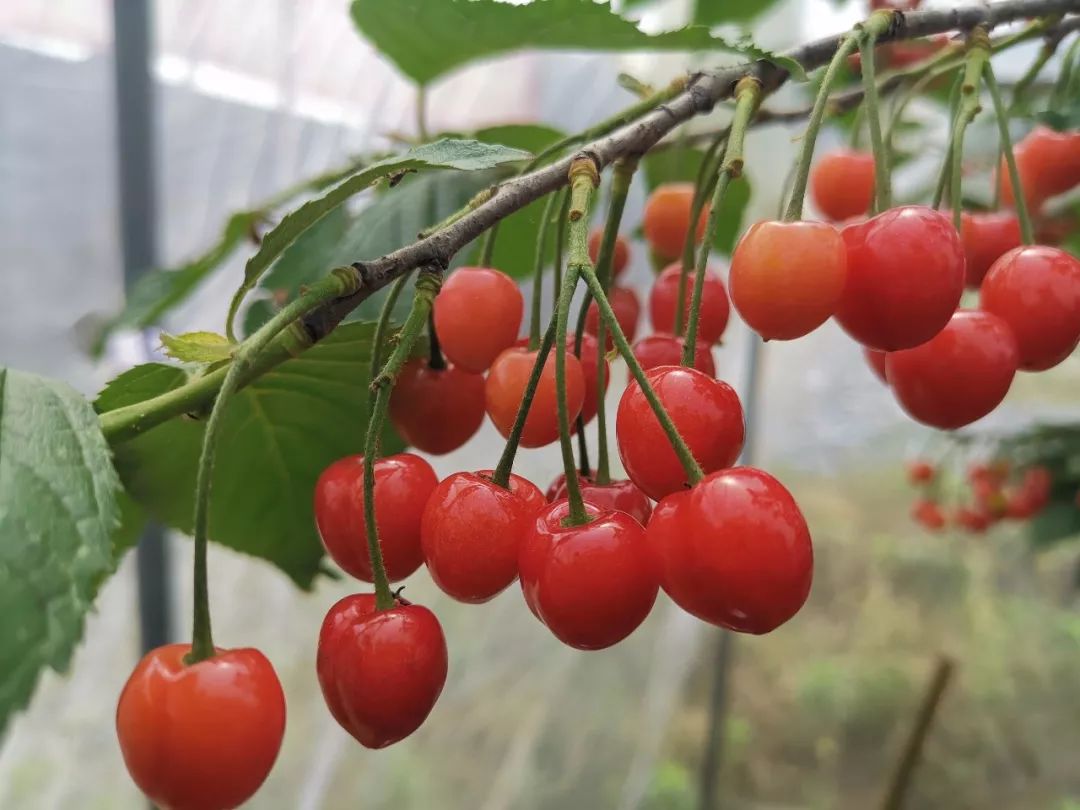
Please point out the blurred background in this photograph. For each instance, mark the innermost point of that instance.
(247, 99)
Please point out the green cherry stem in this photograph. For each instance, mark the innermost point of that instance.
(946, 162)
(882, 158)
(382, 326)
(560, 240)
(977, 58)
(538, 271)
(336, 285)
(1027, 233)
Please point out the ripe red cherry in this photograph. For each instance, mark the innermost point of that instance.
(715, 309)
(201, 736)
(842, 184)
(471, 533)
(666, 350)
(905, 277)
(620, 257)
(906, 52)
(734, 550)
(477, 315)
(402, 485)
(436, 410)
(624, 302)
(380, 671)
(666, 220)
(876, 361)
(707, 414)
(622, 495)
(506, 384)
(590, 371)
(592, 585)
(1048, 163)
(787, 277)
(972, 519)
(987, 236)
(928, 514)
(920, 472)
(959, 375)
(1036, 290)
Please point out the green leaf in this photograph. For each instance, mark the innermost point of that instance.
(58, 512)
(197, 347)
(132, 523)
(716, 12)
(1059, 521)
(258, 312)
(279, 433)
(428, 38)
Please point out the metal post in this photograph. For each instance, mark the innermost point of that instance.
(132, 32)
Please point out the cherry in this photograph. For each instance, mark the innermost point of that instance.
(620, 257)
(624, 302)
(1036, 290)
(715, 309)
(505, 388)
(989, 496)
(928, 514)
(666, 220)
(876, 361)
(200, 736)
(734, 550)
(707, 414)
(1036, 485)
(974, 520)
(592, 585)
(471, 532)
(590, 370)
(905, 277)
(987, 236)
(666, 350)
(436, 409)
(1048, 163)
(622, 495)
(907, 52)
(920, 472)
(842, 184)
(787, 277)
(403, 483)
(380, 671)
(959, 375)
(477, 314)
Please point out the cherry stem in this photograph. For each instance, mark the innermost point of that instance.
(339, 283)
(747, 98)
(946, 163)
(436, 361)
(560, 241)
(382, 326)
(538, 271)
(977, 57)
(1027, 233)
(1063, 88)
(882, 158)
(427, 287)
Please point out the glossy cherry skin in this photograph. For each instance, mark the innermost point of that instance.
(666, 350)
(622, 495)
(734, 550)
(1048, 163)
(380, 671)
(842, 184)
(987, 236)
(436, 410)
(590, 371)
(1036, 290)
(706, 412)
(624, 302)
(787, 277)
(666, 220)
(715, 308)
(202, 736)
(905, 277)
(620, 256)
(505, 388)
(958, 376)
(403, 483)
(592, 585)
(477, 314)
(876, 361)
(471, 533)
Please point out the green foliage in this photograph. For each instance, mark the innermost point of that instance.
(715, 12)
(279, 434)
(197, 347)
(58, 513)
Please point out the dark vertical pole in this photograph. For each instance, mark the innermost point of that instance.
(132, 34)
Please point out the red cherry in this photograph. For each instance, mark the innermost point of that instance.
(987, 236)
(436, 410)
(989, 496)
(787, 277)
(905, 277)
(1019, 505)
(734, 550)
(715, 309)
(1036, 484)
(666, 350)
(928, 514)
(380, 671)
(707, 414)
(971, 519)
(592, 585)
(201, 736)
(590, 370)
(1036, 291)
(622, 495)
(666, 220)
(920, 472)
(842, 183)
(505, 387)
(627, 308)
(402, 485)
(1048, 163)
(907, 52)
(958, 376)
(620, 257)
(876, 361)
(477, 315)
(471, 533)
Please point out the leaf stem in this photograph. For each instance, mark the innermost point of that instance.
(1027, 232)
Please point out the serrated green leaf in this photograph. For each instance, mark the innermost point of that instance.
(717, 12)
(278, 434)
(58, 512)
(197, 347)
(428, 38)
